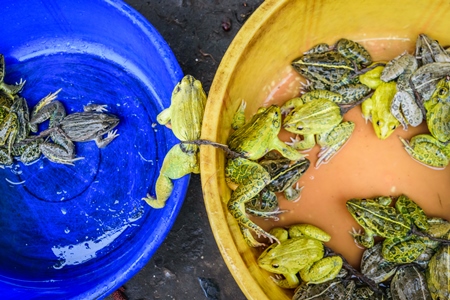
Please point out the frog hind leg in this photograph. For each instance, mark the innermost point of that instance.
(287, 150)
(251, 179)
(333, 141)
(352, 93)
(402, 249)
(405, 109)
(414, 212)
(264, 205)
(8, 131)
(323, 270)
(176, 164)
(5, 158)
(31, 152)
(308, 230)
(428, 151)
(62, 150)
(239, 116)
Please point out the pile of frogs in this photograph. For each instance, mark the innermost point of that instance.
(56, 143)
(410, 263)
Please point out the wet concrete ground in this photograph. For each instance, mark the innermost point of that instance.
(199, 32)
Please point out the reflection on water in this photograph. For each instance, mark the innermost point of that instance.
(84, 251)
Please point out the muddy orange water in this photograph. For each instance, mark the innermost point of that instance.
(365, 167)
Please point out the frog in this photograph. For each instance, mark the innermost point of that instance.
(394, 224)
(429, 50)
(375, 267)
(91, 124)
(426, 77)
(437, 274)
(377, 108)
(405, 107)
(251, 141)
(284, 174)
(335, 68)
(433, 150)
(184, 116)
(317, 117)
(300, 251)
(409, 283)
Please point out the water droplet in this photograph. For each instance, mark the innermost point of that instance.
(67, 230)
(63, 211)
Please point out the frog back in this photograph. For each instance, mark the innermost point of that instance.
(313, 117)
(291, 255)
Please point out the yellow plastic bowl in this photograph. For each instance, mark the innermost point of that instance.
(278, 32)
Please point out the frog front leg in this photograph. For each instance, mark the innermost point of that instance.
(251, 178)
(323, 270)
(332, 141)
(177, 163)
(428, 151)
(363, 240)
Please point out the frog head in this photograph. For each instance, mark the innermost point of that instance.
(257, 137)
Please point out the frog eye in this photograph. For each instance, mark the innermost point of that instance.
(378, 122)
(442, 91)
(300, 127)
(393, 127)
(275, 266)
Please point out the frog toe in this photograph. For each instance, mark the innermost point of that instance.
(154, 202)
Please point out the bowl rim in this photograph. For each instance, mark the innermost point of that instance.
(214, 207)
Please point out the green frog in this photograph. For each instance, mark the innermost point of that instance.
(301, 251)
(377, 108)
(185, 117)
(433, 150)
(91, 124)
(404, 106)
(335, 68)
(426, 77)
(409, 283)
(394, 224)
(284, 175)
(317, 117)
(438, 274)
(252, 141)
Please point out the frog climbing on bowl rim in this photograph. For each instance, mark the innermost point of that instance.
(185, 117)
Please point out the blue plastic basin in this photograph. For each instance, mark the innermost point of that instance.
(81, 231)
